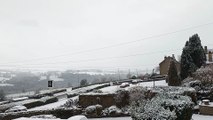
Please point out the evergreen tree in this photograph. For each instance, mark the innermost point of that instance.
(83, 82)
(2, 95)
(193, 56)
(187, 67)
(196, 51)
(173, 79)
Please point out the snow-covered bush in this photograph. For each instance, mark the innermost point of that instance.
(40, 102)
(112, 111)
(204, 74)
(94, 110)
(70, 103)
(163, 107)
(44, 116)
(122, 98)
(33, 104)
(137, 93)
(97, 91)
(17, 108)
(78, 117)
(188, 91)
(51, 100)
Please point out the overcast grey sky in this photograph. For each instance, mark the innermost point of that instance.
(36, 32)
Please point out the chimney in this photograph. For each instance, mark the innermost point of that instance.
(210, 56)
(165, 57)
(173, 56)
(205, 49)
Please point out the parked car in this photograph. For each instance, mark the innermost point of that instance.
(17, 108)
(135, 81)
(123, 85)
(78, 117)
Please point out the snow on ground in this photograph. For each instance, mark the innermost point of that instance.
(84, 89)
(20, 94)
(113, 89)
(110, 89)
(112, 118)
(4, 78)
(202, 117)
(6, 84)
(194, 117)
(150, 84)
(52, 105)
(23, 118)
(16, 95)
(63, 101)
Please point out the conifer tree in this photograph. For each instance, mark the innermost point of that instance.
(193, 56)
(2, 95)
(173, 79)
(187, 67)
(196, 51)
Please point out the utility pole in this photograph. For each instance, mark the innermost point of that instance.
(78, 78)
(153, 79)
(136, 72)
(129, 74)
(119, 75)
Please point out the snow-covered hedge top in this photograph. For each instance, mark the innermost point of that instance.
(94, 94)
(173, 89)
(159, 108)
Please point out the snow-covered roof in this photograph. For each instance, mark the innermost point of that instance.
(94, 94)
(210, 50)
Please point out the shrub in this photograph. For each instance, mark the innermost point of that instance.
(173, 79)
(122, 98)
(97, 91)
(94, 110)
(163, 107)
(71, 103)
(51, 100)
(34, 104)
(205, 75)
(2, 95)
(112, 111)
(72, 95)
(137, 94)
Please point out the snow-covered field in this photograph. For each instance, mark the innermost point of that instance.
(6, 84)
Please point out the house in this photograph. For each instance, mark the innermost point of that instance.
(164, 65)
(208, 53)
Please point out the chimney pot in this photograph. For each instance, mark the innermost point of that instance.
(173, 56)
(205, 49)
(210, 56)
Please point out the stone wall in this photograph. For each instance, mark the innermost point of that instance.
(106, 100)
(206, 109)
